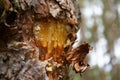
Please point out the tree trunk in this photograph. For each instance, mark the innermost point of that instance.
(35, 37)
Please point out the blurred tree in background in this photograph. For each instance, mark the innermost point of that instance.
(101, 26)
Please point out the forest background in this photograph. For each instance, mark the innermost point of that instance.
(100, 26)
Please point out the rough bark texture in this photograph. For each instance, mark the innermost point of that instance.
(20, 53)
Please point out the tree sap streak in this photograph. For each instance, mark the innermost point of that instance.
(51, 37)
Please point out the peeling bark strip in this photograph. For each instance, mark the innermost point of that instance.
(37, 38)
(77, 56)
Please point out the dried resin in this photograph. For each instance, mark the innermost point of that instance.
(51, 37)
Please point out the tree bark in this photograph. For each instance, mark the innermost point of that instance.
(35, 36)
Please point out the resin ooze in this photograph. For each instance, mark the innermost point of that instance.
(51, 37)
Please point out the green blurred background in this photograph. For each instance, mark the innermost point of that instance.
(100, 26)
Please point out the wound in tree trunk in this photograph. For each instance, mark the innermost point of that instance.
(51, 36)
(40, 35)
